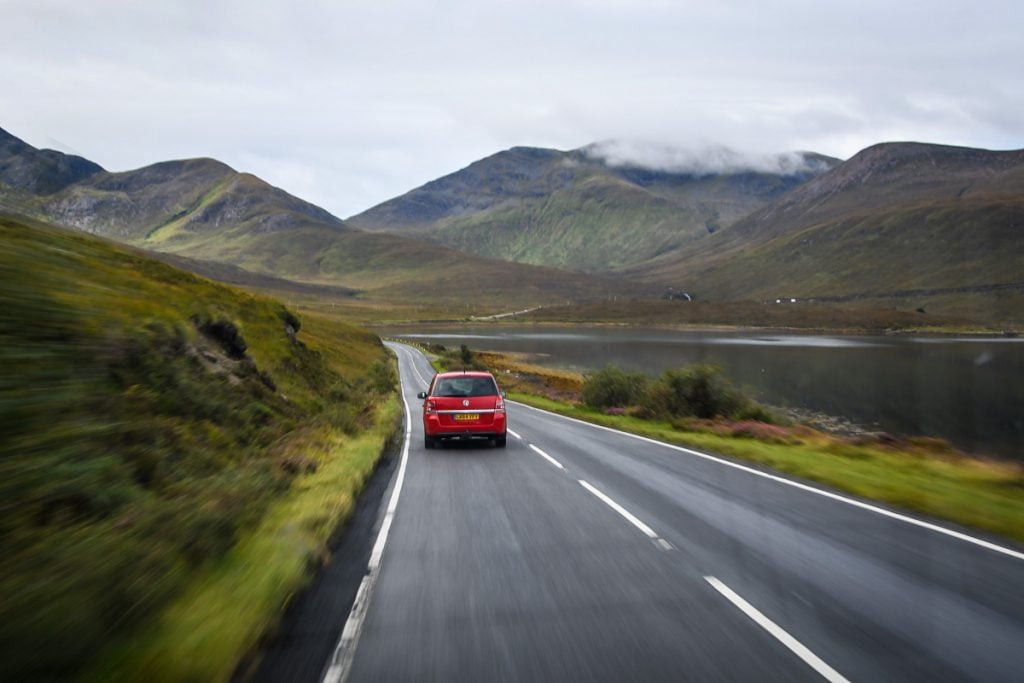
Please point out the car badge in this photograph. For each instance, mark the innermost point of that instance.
(465, 402)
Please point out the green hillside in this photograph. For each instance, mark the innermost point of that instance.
(394, 268)
(149, 418)
(599, 224)
(176, 202)
(576, 210)
(968, 244)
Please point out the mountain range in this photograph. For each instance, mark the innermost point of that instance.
(205, 211)
(896, 224)
(580, 209)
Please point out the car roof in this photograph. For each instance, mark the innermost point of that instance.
(465, 373)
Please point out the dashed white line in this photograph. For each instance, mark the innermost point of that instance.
(547, 457)
(803, 487)
(629, 516)
(513, 434)
(621, 510)
(794, 645)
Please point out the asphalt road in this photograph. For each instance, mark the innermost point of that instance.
(583, 554)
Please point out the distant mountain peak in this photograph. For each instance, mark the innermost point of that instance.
(887, 155)
(595, 208)
(919, 169)
(538, 152)
(169, 204)
(40, 171)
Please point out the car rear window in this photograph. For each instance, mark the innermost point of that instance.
(466, 386)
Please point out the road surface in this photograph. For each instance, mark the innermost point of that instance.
(583, 554)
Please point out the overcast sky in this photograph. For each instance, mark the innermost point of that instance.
(352, 102)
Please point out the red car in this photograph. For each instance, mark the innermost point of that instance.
(463, 405)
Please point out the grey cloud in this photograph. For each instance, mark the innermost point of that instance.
(349, 104)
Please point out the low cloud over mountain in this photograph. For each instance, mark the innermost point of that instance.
(702, 160)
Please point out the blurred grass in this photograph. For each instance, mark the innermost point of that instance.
(921, 475)
(219, 620)
(148, 420)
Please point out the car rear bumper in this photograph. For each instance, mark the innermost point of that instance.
(466, 436)
(496, 429)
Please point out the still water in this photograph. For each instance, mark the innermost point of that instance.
(969, 391)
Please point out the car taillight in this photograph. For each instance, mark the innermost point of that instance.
(499, 406)
(431, 406)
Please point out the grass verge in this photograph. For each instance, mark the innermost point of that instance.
(209, 629)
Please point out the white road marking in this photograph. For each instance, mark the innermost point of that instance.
(648, 531)
(546, 457)
(340, 662)
(513, 434)
(412, 362)
(988, 545)
(794, 645)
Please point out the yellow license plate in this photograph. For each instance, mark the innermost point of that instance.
(467, 416)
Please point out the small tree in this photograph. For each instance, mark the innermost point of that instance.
(613, 388)
(700, 390)
(463, 358)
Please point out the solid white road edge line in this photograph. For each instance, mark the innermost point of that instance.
(412, 362)
(794, 645)
(340, 662)
(547, 457)
(647, 531)
(988, 545)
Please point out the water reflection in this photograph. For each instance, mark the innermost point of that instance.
(966, 390)
(800, 342)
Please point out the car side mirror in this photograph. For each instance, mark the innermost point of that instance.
(422, 394)
(503, 394)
